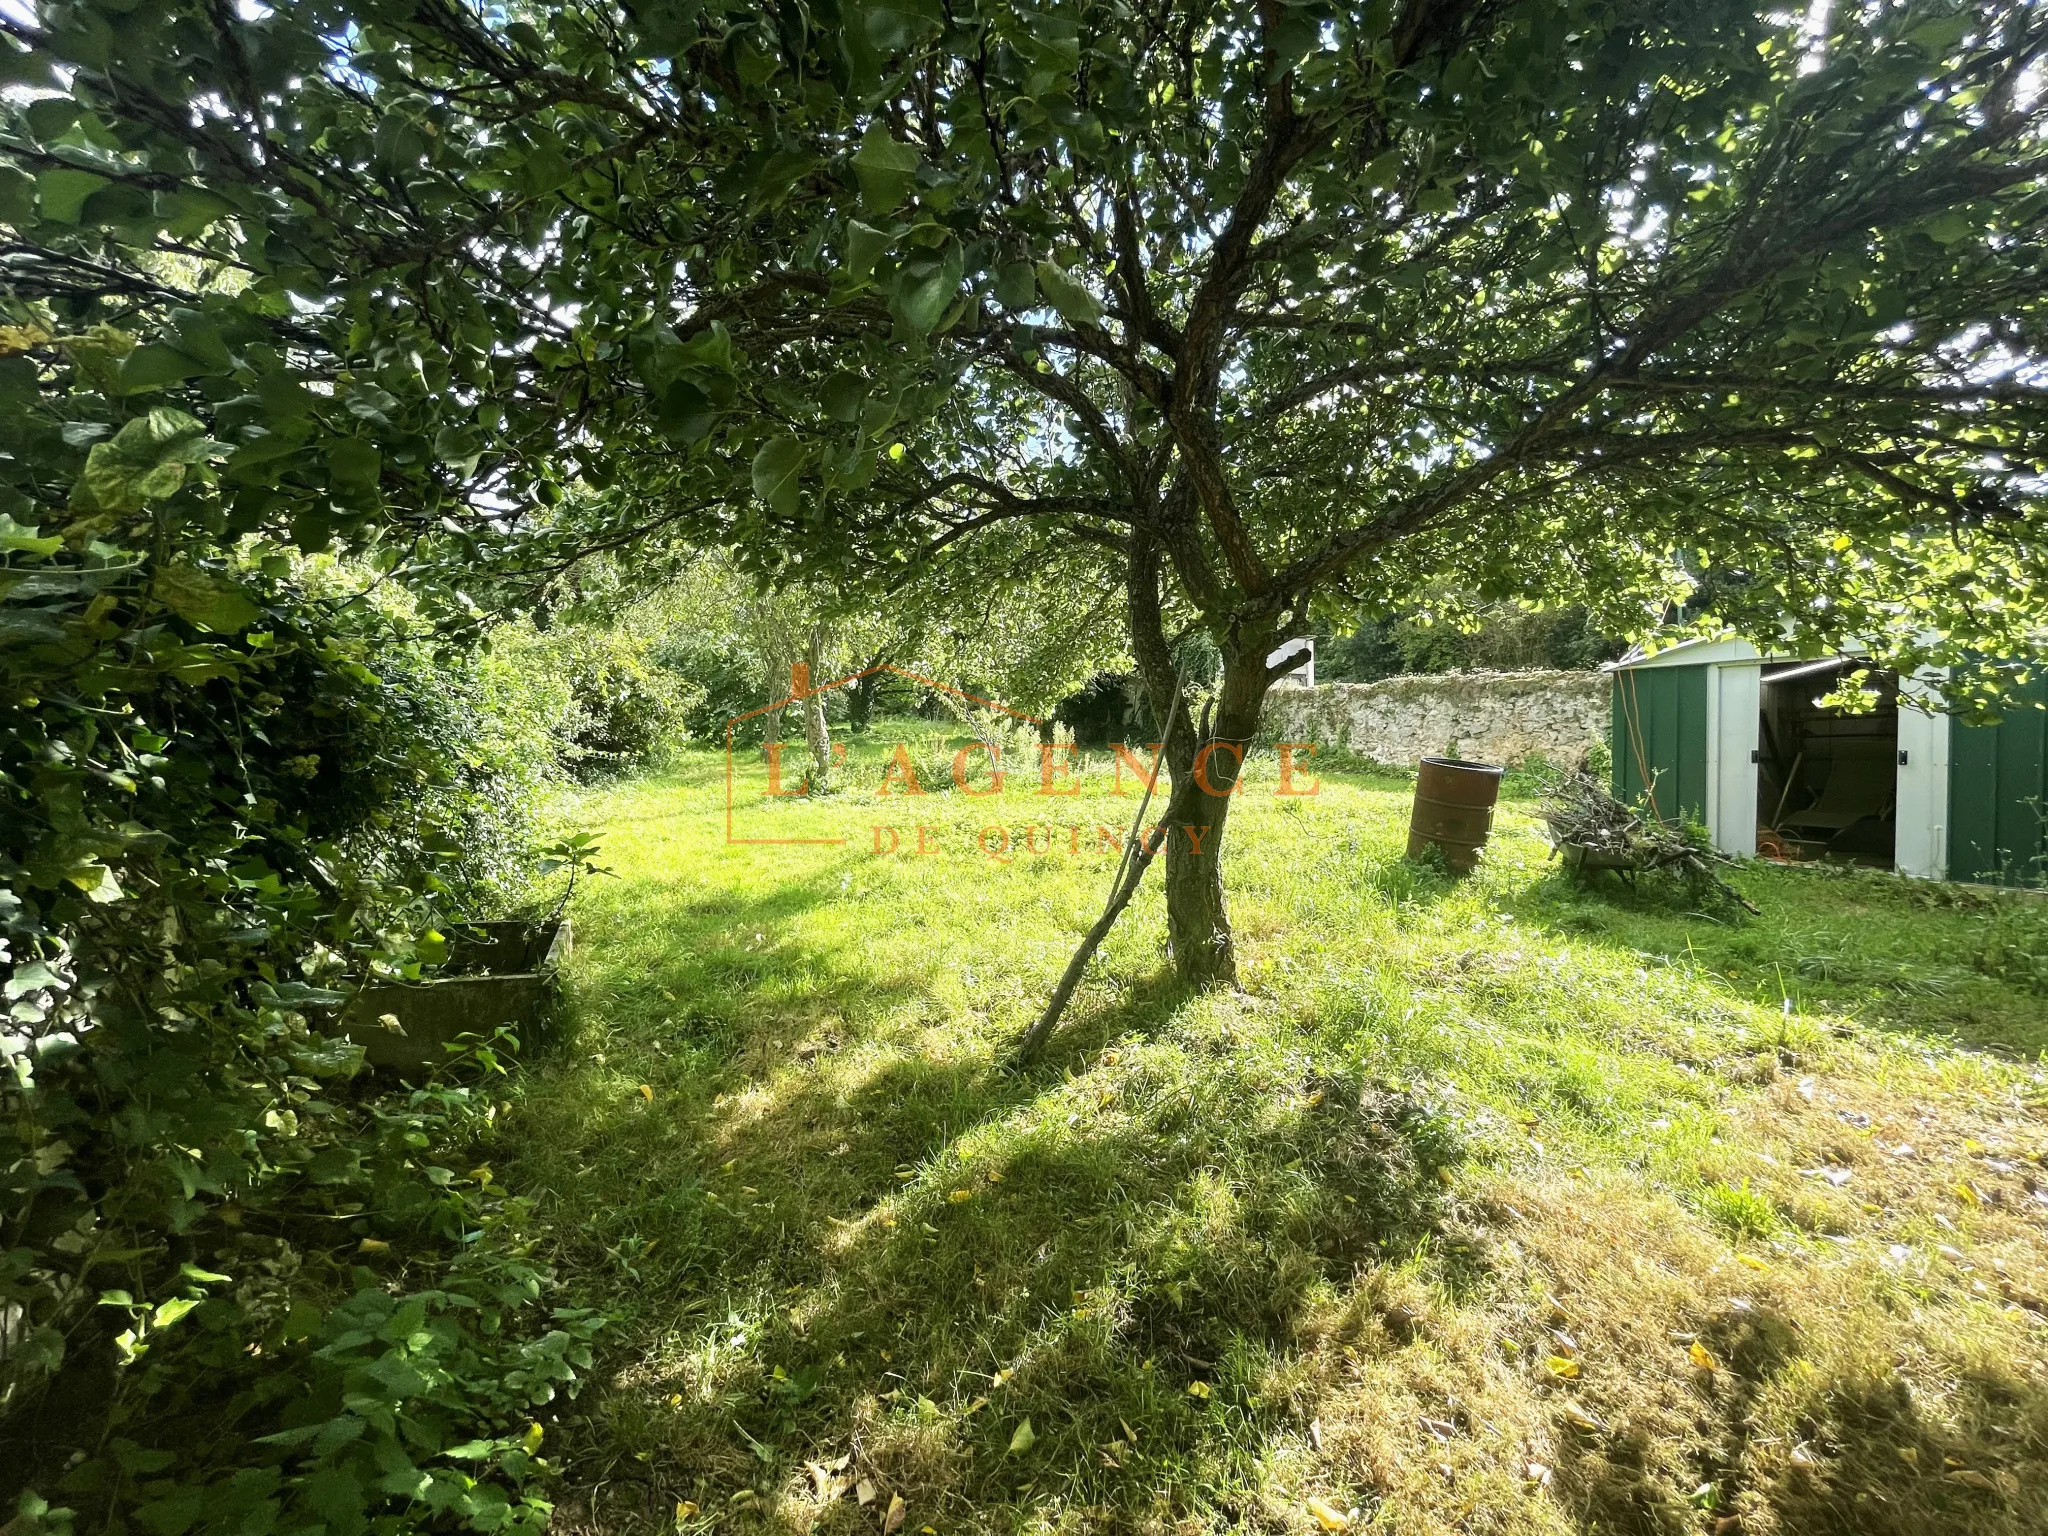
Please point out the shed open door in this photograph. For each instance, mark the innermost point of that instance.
(1732, 720)
(1921, 846)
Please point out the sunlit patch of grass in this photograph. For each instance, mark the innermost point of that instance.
(1739, 1210)
(1420, 1222)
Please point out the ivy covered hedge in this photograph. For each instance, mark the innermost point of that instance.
(269, 1295)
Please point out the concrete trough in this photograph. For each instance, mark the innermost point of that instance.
(503, 975)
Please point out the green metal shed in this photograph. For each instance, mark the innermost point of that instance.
(1699, 732)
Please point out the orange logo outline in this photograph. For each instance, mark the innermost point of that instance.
(799, 689)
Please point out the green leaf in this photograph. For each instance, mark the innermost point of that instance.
(886, 169)
(142, 462)
(322, 1057)
(1025, 1438)
(842, 396)
(201, 597)
(170, 1311)
(776, 469)
(710, 348)
(1015, 288)
(893, 28)
(925, 288)
(18, 538)
(686, 414)
(17, 196)
(354, 463)
(174, 1514)
(190, 211)
(63, 193)
(864, 247)
(155, 365)
(1066, 294)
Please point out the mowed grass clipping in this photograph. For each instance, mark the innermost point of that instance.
(1485, 1206)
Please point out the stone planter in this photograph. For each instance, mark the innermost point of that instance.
(497, 976)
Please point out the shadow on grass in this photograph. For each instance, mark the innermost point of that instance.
(862, 1249)
(1869, 1461)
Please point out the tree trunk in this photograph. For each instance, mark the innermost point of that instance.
(816, 732)
(1206, 782)
(860, 698)
(1197, 914)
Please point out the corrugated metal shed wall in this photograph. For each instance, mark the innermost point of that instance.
(1660, 739)
(1997, 793)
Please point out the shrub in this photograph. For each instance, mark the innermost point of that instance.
(592, 703)
(715, 684)
(218, 800)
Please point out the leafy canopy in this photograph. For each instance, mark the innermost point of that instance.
(1558, 297)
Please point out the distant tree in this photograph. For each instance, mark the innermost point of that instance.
(1505, 636)
(1264, 305)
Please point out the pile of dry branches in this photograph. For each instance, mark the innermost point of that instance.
(1592, 831)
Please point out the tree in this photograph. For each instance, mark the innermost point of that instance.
(1288, 305)
(1273, 307)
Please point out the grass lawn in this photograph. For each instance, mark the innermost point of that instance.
(1490, 1205)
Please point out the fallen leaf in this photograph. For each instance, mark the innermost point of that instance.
(1438, 1428)
(1909, 1454)
(894, 1518)
(1130, 1434)
(1328, 1516)
(1803, 1457)
(1315, 1432)
(1538, 1474)
(530, 1441)
(1753, 1262)
(684, 1510)
(373, 1245)
(976, 1406)
(864, 1493)
(1578, 1418)
(1969, 1477)
(961, 1196)
(1562, 1367)
(647, 1092)
(1698, 1354)
(1025, 1438)
(1198, 1389)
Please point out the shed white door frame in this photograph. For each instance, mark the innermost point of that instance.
(1920, 817)
(1734, 701)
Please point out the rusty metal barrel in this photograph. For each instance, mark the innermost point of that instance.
(1453, 809)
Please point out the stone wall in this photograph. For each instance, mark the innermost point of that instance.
(1488, 717)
